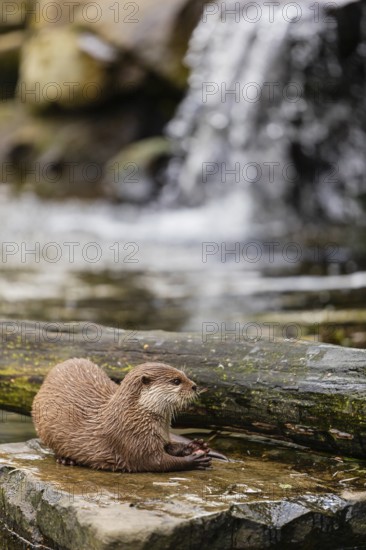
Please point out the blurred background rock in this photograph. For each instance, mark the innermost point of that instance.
(80, 81)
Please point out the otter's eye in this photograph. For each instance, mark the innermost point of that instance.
(176, 381)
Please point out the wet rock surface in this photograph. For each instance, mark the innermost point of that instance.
(264, 498)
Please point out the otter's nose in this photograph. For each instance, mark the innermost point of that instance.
(194, 387)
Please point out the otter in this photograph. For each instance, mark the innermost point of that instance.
(87, 419)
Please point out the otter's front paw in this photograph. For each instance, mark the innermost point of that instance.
(199, 460)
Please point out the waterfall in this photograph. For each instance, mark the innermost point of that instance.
(275, 112)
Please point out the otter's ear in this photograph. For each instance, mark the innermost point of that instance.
(145, 380)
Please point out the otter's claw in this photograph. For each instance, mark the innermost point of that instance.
(199, 460)
(198, 445)
(65, 461)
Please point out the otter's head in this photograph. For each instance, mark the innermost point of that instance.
(162, 389)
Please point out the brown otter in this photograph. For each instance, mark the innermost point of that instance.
(87, 419)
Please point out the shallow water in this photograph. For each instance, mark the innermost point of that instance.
(173, 269)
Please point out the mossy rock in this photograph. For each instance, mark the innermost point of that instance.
(132, 175)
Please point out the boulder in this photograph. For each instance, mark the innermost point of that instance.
(62, 67)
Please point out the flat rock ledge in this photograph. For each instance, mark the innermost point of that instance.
(252, 503)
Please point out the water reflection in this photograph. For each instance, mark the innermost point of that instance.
(15, 427)
(172, 270)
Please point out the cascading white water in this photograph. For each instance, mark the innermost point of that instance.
(268, 100)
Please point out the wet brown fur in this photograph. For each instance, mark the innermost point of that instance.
(83, 416)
